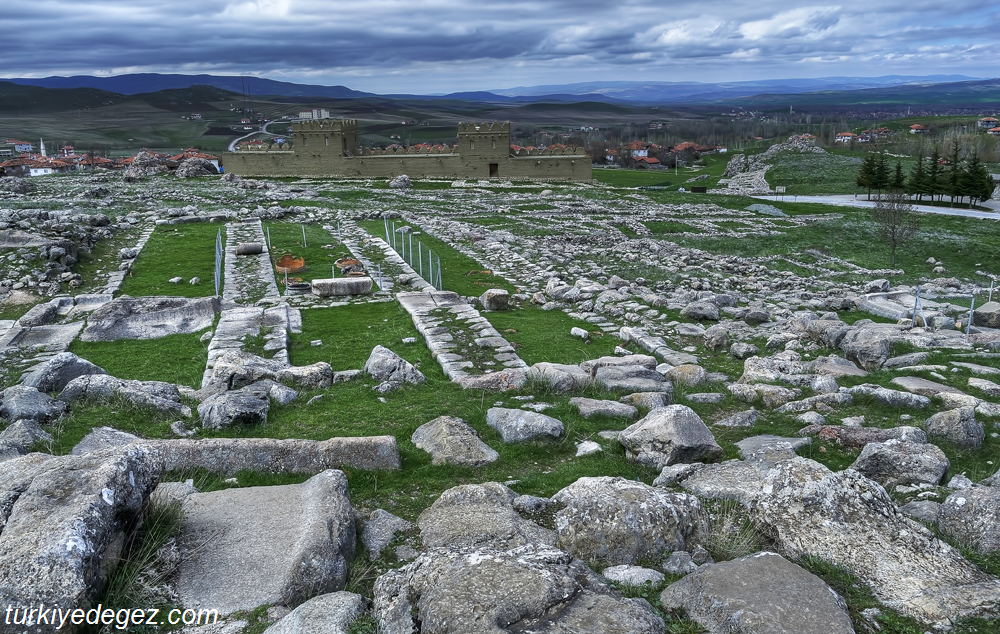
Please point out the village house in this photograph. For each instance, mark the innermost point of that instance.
(916, 128)
(994, 131)
(194, 153)
(845, 137)
(988, 122)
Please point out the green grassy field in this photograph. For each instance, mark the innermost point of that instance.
(320, 251)
(185, 251)
(459, 272)
(175, 358)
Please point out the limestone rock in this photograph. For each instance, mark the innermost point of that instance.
(987, 315)
(54, 374)
(923, 510)
(632, 575)
(688, 374)
(647, 400)
(668, 435)
(516, 425)
(150, 318)
(760, 594)
(593, 365)
(236, 369)
(154, 394)
(972, 517)
(245, 406)
(63, 521)
(631, 378)
(385, 365)
(897, 462)
(742, 350)
(341, 286)
(22, 434)
(589, 407)
(858, 437)
(378, 530)
(274, 544)
(618, 521)
(892, 398)
(561, 377)
(331, 613)
(479, 515)
(957, 425)
(495, 299)
(20, 402)
(102, 439)
(489, 591)
(451, 440)
(700, 311)
(868, 348)
(849, 520)
(740, 419)
(717, 338)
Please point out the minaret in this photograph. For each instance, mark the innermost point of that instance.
(41, 144)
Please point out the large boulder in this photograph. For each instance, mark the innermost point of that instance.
(54, 374)
(701, 311)
(491, 591)
(867, 348)
(451, 440)
(987, 315)
(560, 377)
(245, 406)
(858, 437)
(589, 407)
(379, 529)
(518, 425)
(195, 166)
(957, 425)
(495, 299)
(247, 547)
(235, 369)
(20, 402)
(631, 378)
(892, 398)
(331, 613)
(668, 435)
(760, 594)
(155, 394)
(617, 521)
(150, 318)
(479, 515)
(22, 434)
(849, 520)
(64, 521)
(972, 517)
(387, 366)
(896, 462)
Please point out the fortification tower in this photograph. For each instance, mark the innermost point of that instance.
(337, 137)
(485, 143)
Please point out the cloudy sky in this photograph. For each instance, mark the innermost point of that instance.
(427, 46)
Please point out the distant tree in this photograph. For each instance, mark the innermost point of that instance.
(976, 183)
(953, 177)
(866, 174)
(916, 184)
(935, 186)
(897, 182)
(896, 222)
(882, 175)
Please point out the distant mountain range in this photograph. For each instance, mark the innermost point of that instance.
(196, 92)
(621, 92)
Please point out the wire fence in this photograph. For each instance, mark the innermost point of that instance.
(402, 244)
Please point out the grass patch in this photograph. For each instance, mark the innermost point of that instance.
(459, 272)
(184, 251)
(543, 335)
(321, 249)
(176, 359)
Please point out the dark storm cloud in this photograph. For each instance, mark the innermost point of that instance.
(357, 42)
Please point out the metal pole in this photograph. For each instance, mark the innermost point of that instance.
(440, 285)
(386, 221)
(393, 235)
(269, 238)
(430, 266)
(991, 291)
(379, 276)
(304, 243)
(411, 250)
(420, 256)
(916, 302)
(333, 271)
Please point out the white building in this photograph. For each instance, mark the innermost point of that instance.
(315, 113)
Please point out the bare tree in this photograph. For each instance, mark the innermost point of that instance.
(896, 221)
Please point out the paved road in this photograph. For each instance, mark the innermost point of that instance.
(847, 200)
(232, 146)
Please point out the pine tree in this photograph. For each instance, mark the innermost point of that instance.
(866, 174)
(934, 174)
(953, 178)
(882, 177)
(917, 183)
(977, 183)
(898, 181)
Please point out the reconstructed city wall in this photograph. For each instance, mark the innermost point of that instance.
(321, 149)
